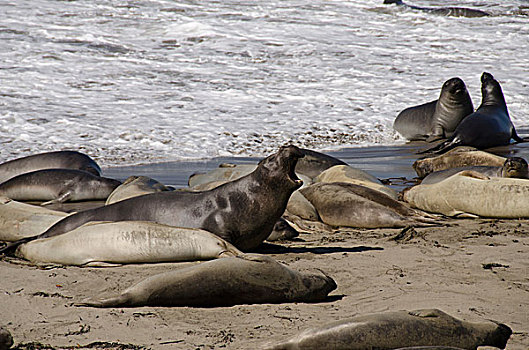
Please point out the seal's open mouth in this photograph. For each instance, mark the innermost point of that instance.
(293, 176)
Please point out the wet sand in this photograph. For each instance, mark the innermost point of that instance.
(473, 269)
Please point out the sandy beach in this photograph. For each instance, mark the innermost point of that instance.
(472, 269)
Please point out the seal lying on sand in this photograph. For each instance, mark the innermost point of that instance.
(126, 242)
(245, 279)
(391, 330)
(437, 119)
(19, 220)
(57, 186)
(49, 160)
(470, 193)
(314, 163)
(514, 167)
(489, 126)
(243, 212)
(135, 186)
(345, 204)
(443, 11)
(457, 157)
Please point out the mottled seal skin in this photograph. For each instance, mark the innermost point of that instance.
(135, 186)
(443, 11)
(6, 340)
(471, 194)
(514, 167)
(345, 204)
(126, 242)
(391, 330)
(314, 163)
(437, 119)
(458, 157)
(489, 126)
(19, 220)
(49, 160)
(58, 185)
(243, 212)
(245, 279)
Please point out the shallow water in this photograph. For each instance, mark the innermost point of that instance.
(154, 81)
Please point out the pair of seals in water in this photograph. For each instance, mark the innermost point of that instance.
(242, 212)
(489, 126)
(444, 11)
(418, 329)
(244, 279)
(437, 119)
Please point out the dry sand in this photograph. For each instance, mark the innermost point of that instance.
(474, 269)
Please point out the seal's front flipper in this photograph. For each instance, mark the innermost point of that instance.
(427, 313)
(61, 199)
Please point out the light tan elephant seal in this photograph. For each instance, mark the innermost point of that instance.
(126, 242)
(472, 194)
(345, 173)
(391, 330)
(19, 220)
(345, 204)
(457, 157)
(245, 279)
(135, 186)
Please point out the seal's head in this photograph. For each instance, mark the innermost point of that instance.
(281, 166)
(515, 167)
(499, 336)
(455, 86)
(318, 285)
(491, 92)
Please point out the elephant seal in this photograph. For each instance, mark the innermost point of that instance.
(6, 340)
(345, 173)
(472, 194)
(514, 167)
(489, 126)
(282, 231)
(58, 186)
(222, 174)
(244, 279)
(242, 212)
(437, 119)
(49, 160)
(314, 163)
(345, 204)
(391, 330)
(135, 186)
(19, 220)
(126, 242)
(443, 11)
(458, 157)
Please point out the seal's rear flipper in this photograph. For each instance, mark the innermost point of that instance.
(442, 147)
(12, 246)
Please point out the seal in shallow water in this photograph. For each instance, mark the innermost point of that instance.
(57, 186)
(443, 11)
(243, 212)
(391, 330)
(49, 160)
(245, 279)
(489, 126)
(437, 119)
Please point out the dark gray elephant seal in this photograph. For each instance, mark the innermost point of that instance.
(242, 212)
(443, 11)
(514, 167)
(6, 340)
(57, 186)
(437, 119)
(245, 279)
(49, 160)
(314, 163)
(489, 126)
(391, 330)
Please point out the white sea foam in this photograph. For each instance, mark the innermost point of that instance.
(164, 80)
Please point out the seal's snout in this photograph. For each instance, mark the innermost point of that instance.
(485, 77)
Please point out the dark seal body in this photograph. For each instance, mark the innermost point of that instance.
(437, 119)
(245, 279)
(243, 212)
(489, 126)
(58, 185)
(392, 330)
(443, 11)
(49, 160)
